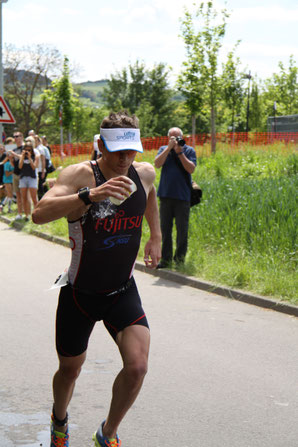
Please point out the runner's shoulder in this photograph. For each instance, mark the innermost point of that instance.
(75, 173)
(145, 170)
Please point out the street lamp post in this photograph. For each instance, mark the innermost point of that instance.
(248, 76)
(1, 65)
(274, 116)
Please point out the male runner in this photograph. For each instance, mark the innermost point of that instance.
(105, 239)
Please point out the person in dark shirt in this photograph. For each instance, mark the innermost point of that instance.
(28, 165)
(178, 162)
(104, 201)
(3, 156)
(19, 140)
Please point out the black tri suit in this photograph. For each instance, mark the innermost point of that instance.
(104, 243)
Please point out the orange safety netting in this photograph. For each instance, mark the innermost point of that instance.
(234, 140)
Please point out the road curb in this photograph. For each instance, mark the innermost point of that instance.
(239, 295)
(235, 294)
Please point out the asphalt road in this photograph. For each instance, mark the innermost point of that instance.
(222, 373)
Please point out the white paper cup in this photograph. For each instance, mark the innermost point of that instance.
(133, 188)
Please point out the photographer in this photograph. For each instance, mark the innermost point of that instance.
(28, 165)
(178, 161)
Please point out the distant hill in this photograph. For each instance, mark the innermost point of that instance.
(26, 76)
(91, 91)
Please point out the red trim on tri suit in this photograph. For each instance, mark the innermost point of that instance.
(81, 310)
(134, 322)
(114, 328)
(131, 324)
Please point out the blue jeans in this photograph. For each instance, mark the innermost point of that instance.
(170, 210)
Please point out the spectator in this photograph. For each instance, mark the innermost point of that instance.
(28, 165)
(3, 157)
(31, 133)
(49, 165)
(96, 152)
(45, 143)
(9, 145)
(178, 162)
(8, 181)
(41, 166)
(19, 139)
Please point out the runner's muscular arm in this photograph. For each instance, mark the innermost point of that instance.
(152, 250)
(63, 201)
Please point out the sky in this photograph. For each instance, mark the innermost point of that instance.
(101, 37)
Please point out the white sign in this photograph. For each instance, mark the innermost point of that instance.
(5, 114)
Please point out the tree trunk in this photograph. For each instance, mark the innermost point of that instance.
(213, 131)
(193, 124)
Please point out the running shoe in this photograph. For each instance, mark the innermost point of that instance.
(18, 217)
(59, 439)
(102, 441)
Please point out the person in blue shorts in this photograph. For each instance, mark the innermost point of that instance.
(28, 165)
(104, 201)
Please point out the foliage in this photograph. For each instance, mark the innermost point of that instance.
(27, 72)
(232, 88)
(244, 232)
(139, 89)
(86, 122)
(62, 99)
(282, 88)
(203, 42)
(33, 77)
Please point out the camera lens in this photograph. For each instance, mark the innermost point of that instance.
(180, 141)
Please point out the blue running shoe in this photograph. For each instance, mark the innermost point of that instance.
(59, 439)
(102, 441)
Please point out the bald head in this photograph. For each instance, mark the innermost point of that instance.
(175, 132)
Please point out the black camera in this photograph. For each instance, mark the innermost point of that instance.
(180, 141)
(25, 151)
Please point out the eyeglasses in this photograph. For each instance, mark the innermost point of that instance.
(17, 136)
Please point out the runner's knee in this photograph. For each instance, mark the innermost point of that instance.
(137, 370)
(71, 369)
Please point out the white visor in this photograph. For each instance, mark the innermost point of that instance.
(121, 139)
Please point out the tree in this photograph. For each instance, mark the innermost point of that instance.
(282, 88)
(62, 99)
(232, 87)
(86, 121)
(27, 72)
(203, 39)
(146, 117)
(139, 90)
(190, 82)
(126, 88)
(159, 95)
